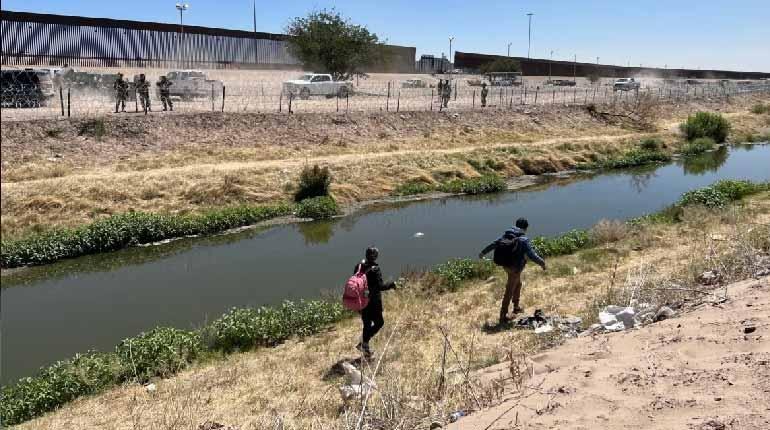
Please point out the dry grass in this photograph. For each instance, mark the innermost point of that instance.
(429, 346)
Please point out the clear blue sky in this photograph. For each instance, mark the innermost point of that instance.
(713, 34)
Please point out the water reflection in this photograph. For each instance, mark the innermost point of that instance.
(706, 162)
(317, 232)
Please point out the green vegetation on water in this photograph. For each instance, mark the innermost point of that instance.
(490, 183)
(129, 229)
(635, 157)
(706, 124)
(317, 208)
(161, 352)
(698, 146)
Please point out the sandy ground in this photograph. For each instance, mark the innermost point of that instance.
(708, 369)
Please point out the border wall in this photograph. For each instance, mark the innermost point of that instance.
(540, 67)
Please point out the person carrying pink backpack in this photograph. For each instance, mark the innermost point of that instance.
(363, 293)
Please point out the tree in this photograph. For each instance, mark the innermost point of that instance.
(327, 42)
(500, 65)
(593, 76)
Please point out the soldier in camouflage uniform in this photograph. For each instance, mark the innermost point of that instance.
(121, 93)
(164, 85)
(446, 93)
(143, 88)
(484, 93)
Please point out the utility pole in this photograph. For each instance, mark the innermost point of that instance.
(574, 69)
(451, 38)
(550, 63)
(529, 40)
(509, 49)
(181, 7)
(254, 9)
(597, 61)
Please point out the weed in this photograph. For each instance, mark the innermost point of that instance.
(721, 193)
(760, 108)
(412, 188)
(606, 231)
(567, 243)
(706, 124)
(160, 352)
(651, 144)
(698, 146)
(54, 132)
(317, 208)
(313, 182)
(481, 185)
(93, 127)
(451, 273)
(636, 157)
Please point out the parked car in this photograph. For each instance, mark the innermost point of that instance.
(314, 84)
(414, 83)
(25, 88)
(561, 82)
(192, 84)
(625, 84)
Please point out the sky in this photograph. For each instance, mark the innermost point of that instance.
(705, 34)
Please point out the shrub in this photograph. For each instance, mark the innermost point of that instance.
(412, 188)
(161, 352)
(454, 271)
(567, 243)
(481, 185)
(606, 231)
(636, 157)
(721, 193)
(706, 124)
(651, 144)
(313, 182)
(57, 384)
(92, 127)
(698, 146)
(243, 329)
(128, 229)
(317, 208)
(759, 108)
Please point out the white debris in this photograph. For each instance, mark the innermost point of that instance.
(419, 234)
(357, 385)
(616, 318)
(547, 328)
(151, 388)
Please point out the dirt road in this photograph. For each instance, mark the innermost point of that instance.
(708, 369)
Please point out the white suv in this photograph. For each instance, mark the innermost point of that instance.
(313, 84)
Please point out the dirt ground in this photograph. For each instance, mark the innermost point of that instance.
(71, 172)
(708, 369)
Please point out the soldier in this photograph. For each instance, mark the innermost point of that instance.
(165, 92)
(121, 93)
(484, 92)
(143, 88)
(446, 93)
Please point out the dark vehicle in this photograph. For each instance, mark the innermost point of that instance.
(24, 88)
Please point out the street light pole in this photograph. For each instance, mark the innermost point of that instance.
(181, 7)
(574, 69)
(550, 63)
(451, 38)
(509, 49)
(529, 40)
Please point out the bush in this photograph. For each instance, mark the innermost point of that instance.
(706, 124)
(313, 182)
(92, 127)
(123, 230)
(606, 231)
(721, 193)
(698, 146)
(453, 272)
(636, 157)
(412, 188)
(57, 384)
(317, 208)
(567, 243)
(243, 329)
(651, 144)
(160, 352)
(759, 109)
(481, 185)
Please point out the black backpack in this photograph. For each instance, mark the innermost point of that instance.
(507, 251)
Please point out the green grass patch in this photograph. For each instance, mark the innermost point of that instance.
(635, 157)
(317, 208)
(481, 185)
(760, 108)
(567, 243)
(453, 272)
(128, 229)
(651, 144)
(706, 124)
(160, 352)
(698, 146)
(413, 188)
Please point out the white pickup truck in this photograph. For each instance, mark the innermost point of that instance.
(313, 84)
(625, 84)
(192, 84)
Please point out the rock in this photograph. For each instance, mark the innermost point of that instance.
(712, 425)
(572, 320)
(544, 329)
(664, 313)
(750, 329)
(709, 277)
(435, 425)
(151, 388)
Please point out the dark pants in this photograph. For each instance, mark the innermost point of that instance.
(372, 319)
(512, 291)
(165, 98)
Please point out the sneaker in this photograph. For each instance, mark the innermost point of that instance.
(364, 348)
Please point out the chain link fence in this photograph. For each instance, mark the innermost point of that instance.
(29, 96)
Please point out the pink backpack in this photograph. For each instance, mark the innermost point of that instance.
(356, 295)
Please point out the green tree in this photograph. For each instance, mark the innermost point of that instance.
(501, 65)
(327, 42)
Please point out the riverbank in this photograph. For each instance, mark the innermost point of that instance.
(292, 383)
(71, 173)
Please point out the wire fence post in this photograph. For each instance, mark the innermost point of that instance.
(61, 100)
(291, 96)
(455, 90)
(136, 101)
(212, 97)
(398, 101)
(431, 100)
(68, 102)
(537, 90)
(223, 97)
(347, 101)
(574, 95)
(473, 103)
(553, 96)
(387, 100)
(280, 101)
(338, 103)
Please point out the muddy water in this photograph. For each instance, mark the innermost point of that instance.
(52, 312)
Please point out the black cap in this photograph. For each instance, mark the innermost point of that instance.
(372, 253)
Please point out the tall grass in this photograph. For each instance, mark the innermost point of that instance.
(481, 185)
(698, 146)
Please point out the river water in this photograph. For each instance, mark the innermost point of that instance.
(52, 312)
